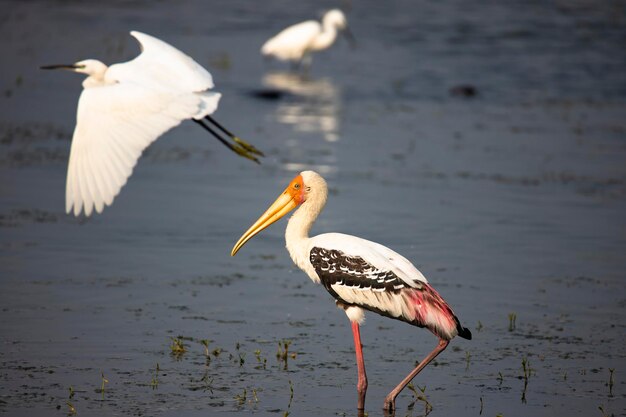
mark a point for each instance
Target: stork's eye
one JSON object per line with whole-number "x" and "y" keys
{"x": 296, "y": 186}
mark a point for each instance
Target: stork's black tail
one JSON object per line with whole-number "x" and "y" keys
{"x": 463, "y": 332}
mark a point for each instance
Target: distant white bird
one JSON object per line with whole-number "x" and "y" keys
{"x": 297, "y": 42}
{"x": 124, "y": 108}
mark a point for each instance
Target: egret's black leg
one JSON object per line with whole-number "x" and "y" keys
{"x": 237, "y": 139}
{"x": 239, "y": 150}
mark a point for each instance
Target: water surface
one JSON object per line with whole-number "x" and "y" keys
{"x": 511, "y": 201}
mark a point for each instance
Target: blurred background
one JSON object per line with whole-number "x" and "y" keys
{"x": 486, "y": 142}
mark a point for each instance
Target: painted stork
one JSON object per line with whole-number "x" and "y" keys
{"x": 360, "y": 274}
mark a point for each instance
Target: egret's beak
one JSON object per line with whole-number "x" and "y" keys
{"x": 70, "y": 67}
{"x": 286, "y": 202}
{"x": 349, "y": 36}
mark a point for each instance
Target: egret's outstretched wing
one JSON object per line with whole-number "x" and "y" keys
{"x": 115, "y": 123}
{"x": 293, "y": 42}
{"x": 160, "y": 65}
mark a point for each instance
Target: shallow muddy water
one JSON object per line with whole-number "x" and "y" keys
{"x": 511, "y": 201}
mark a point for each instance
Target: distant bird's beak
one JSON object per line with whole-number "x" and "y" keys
{"x": 349, "y": 36}
{"x": 62, "y": 66}
{"x": 286, "y": 202}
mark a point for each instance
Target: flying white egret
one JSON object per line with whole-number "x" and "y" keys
{"x": 359, "y": 274}
{"x": 297, "y": 42}
{"x": 124, "y": 108}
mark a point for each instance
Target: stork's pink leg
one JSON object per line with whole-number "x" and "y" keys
{"x": 390, "y": 400}
{"x": 360, "y": 364}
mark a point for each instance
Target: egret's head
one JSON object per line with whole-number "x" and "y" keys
{"x": 91, "y": 67}
{"x": 336, "y": 18}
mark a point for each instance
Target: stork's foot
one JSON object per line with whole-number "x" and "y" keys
{"x": 361, "y": 400}
{"x": 390, "y": 405}
{"x": 361, "y": 391}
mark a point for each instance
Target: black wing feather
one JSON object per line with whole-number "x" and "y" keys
{"x": 336, "y": 268}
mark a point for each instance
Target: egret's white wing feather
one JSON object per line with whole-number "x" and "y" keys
{"x": 89, "y": 172}
{"x": 100, "y": 175}
{"x": 115, "y": 123}
{"x": 161, "y": 66}
{"x": 110, "y": 175}
{"x": 293, "y": 42}
{"x": 82, "y": 183}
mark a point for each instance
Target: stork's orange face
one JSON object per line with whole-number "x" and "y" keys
{"x": 296, "y": 189}
{"x": 292, "y": 197}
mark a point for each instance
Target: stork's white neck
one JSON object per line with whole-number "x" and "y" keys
{"x": 300, "y": 223}
{"x": 297, "y": 238}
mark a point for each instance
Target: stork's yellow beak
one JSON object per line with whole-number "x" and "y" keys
{"x": 287, "y": 201}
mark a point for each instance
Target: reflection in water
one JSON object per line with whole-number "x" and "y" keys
{"x": 313, "y": 106}
{"x": 325, "y": 169}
